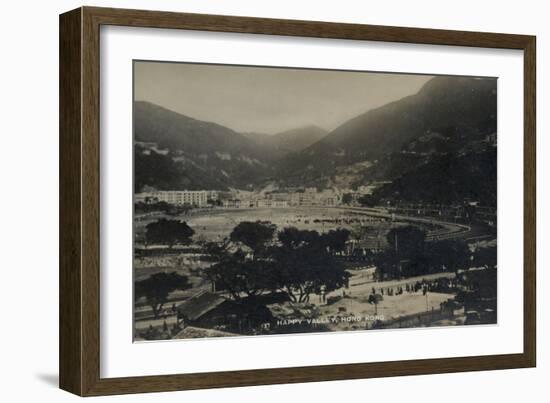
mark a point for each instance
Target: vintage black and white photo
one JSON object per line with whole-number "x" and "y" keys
{"x": 276, "y": 200}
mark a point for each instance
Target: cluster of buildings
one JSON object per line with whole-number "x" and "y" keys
{"x": 197, "y": 198}
{"x": 286, "y": 197}
{"x": 363, "y": 190}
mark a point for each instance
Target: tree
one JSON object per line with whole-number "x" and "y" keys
{"x": 368, "y": 201}
{"x": 359, "y": 232}
{"x": 408, "y": 255}
{"x": 336, "y": 240}
{"x": 151, "y": 205}
{"x": 333, "y": 240}
{"x": 235, "y": 273}
{"x": 255, "y": 235}
{"x": 347, "y": 198}
{"x": 451, "y": 255}
{"x": 478, "y": 289}
{"x": 302, "y": 265}
{"x": 298, "y": 266}
{"x": 169, "y": 232}
{"x": 292, "y": 237}
{"x": 387, "y": 265}
{"x": 485, "y": 256}
{"x": 405, "y": 255}
{"x": 158, "y": 287}
{"x": 407, "y": 241}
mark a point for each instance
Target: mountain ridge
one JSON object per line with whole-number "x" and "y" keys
{"x": 200, "y": 154}
{"x": 447, "y": 119}
{"x": 288, "y": 141}
{"x": 456, "y": 107}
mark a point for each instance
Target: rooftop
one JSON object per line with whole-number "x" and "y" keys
{"x": 191, "y": 332}
{"x": 199, "y": 304}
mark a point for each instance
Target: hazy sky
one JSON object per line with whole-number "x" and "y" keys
{"x": 268, "y": 100}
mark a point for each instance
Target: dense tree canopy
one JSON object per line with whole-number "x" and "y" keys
{"x": 407, "y": 241}
{"x": 485, "y": 256}
{"x": 410, "y": 255}
{"x": 336, "y": 239}
{"x": 449, "y": 255}
{"x": 368, "y": 200}
{"x": 255, "y": 235}
{"x": 299, "y": 264}
{"x": 158, "y": 287}
{"x": 234, "y": 272}
{"x": 169, "y": 232}
{"x": 302, "y": 263}
{"x": 161, "y": 206}
{"x": 292, "y": 237}
{"x": 347, "y": 198}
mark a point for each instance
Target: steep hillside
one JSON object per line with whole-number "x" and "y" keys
{"x": 437, "y": 145}
{"x": 174, "y": 151}
{"x": 456, "y": 110}
{"x": 447, "y": 179}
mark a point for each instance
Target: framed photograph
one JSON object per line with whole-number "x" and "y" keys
{"x": 249, "y": 201}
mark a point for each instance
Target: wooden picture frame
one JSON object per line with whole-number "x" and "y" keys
{"x": 80, "y": 184}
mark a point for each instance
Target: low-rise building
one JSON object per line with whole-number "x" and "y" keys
{"x": 177, "y": 197}
{"x": 209, "y": 310}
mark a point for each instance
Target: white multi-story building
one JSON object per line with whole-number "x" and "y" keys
{"x": 212, "y": 195}
{"x": 329, "y": 197}
{"x": 178, "y": 197}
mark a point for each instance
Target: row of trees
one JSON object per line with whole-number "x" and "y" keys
{"x": 410, "y": 255}
{"x": 252, "y": 261}
{"x": 157, "y": 287}
{"x": 255, "y": 260}
{"x": 161, "y": 207}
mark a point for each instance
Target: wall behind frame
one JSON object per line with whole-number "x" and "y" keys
{"x": 30, "y": 182}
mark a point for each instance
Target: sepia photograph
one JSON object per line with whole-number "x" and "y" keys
{"x": 278, "y": 200}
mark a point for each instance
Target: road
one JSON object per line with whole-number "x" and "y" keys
{"x": 365, "y": 287}
{"x": 446, "y": 230}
